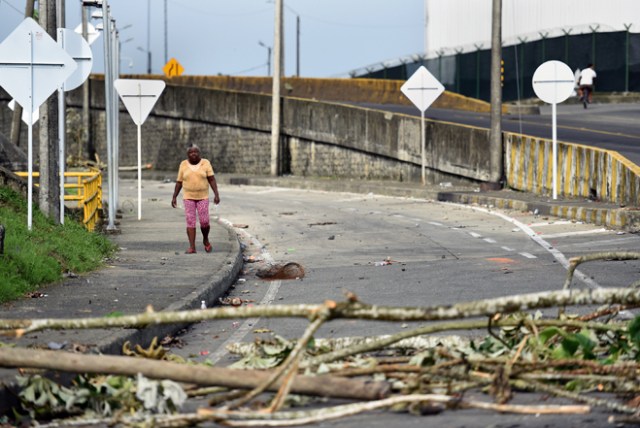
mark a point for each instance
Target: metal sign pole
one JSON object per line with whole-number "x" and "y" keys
{"x": 139, "y": 172}
{"x": 61, "y": 150}
{"x": 553, "y": 83}
{"x": 554, "y": 135}
{"x": 32, "y": 67}
{"x": 106, "y": 22}
{"x": 139, "y": 97}
{"x": 423, "y": 144}
{"x": 30, "y": 135}
{"x": 61, "y": 132}
{"x": 422, "y": 88}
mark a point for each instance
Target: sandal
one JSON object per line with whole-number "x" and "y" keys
{"x": 190, "y": 251}
{"x": 208, "y": 248}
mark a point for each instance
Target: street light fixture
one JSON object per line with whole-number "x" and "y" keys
{"x": 268, "y": 48}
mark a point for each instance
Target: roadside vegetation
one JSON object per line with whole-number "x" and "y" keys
{"x": 41, "y": 256}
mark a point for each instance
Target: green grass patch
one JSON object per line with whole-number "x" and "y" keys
{"x": 42, "y": 255}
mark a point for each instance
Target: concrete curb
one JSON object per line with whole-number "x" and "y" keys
{"x": 211, "y": 291}
{"x": 615, "y": 218}
{"x": 220, "y": 283}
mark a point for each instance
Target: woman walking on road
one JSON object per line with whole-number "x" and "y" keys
{"x": 195, "y": 175}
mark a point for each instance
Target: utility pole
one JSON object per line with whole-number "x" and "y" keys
{"x": 166, "y": 30}
{"x": 16, "y": 119}
{"x": 495, "y": 134}
{"x": 49, "y": 192}
{"x": 297, "y": 45}
{"x": 275, "y": 95}
{"x": 86, "y": 140}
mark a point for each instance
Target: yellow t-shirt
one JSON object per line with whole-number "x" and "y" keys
{"x": 195, "y": 184}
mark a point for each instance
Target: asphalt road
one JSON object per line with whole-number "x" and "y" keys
{"x": 607, "y": 126}
{"x": 444, "y": 254}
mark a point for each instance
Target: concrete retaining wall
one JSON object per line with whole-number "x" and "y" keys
{"x": 336, "y": 140}
{"x": 583, "y": 171}
{"x": 319, "y": 138}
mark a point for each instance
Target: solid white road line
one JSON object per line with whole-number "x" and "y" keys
{"x": 550, "y": 223}
{"x": 567, "y": 234}
{"x": 269, "y": 297}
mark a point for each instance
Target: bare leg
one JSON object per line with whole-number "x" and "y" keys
{"x": 205, "y": 234}
{"x": 191, "y": 234}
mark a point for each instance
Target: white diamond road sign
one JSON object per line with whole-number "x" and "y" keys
{"x": 139, "y": 96}
{"x": 32, "y": 65}
{"x": 25, "y": 113}
{"x": 92, "y": 33}
{"x": 422, "y": 88}
{"x": 553, "y": 82}
{"x": 76, "y": 46}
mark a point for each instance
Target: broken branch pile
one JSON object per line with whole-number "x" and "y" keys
{"x": 413, "y": 370}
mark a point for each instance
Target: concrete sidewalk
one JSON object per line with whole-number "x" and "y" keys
{"x": 151, "y": 267}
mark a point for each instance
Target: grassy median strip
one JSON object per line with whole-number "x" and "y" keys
{"x": 41, "y": 256}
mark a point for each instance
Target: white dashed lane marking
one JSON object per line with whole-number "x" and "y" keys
{"x": 528, "y": 255}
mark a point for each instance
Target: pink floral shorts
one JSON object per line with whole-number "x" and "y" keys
{"x": 201, "y": 207}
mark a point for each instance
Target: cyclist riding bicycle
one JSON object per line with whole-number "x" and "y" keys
{"x": 585, "y": 83}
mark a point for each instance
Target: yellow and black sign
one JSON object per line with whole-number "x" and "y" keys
{"x": 173, "y": 68}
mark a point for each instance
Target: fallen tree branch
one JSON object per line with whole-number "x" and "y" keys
{"x": 346, "y": 310}
{"x": 289, "y": 366}
{"x": 574, "y": 262}
{"x": 331, "y": 386}
{"x": 400, "y": 339}
{"x": 559, "y": 392}
{"x": 247, "y": 419}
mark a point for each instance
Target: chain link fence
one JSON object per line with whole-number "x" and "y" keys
{"x": 616, "y": 56}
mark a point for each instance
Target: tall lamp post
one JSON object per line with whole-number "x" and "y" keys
{"x": 268, "y": 48}
{"x": 108, "y": 27}
{"x": 297, "y": 45}
{"x": 140, "y": 48}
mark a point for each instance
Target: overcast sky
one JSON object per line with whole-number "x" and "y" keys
{"x": 222, "y": 36}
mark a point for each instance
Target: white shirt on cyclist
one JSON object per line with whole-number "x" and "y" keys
{"x": 587, "y": 75}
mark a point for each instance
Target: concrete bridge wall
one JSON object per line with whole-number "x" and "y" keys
{"x": 340, "y": 141}
{"x": 319, "y": 138}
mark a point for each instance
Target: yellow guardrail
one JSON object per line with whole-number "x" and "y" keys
{"x": 84, "y": 187}
{"x": 583, "y": 171}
